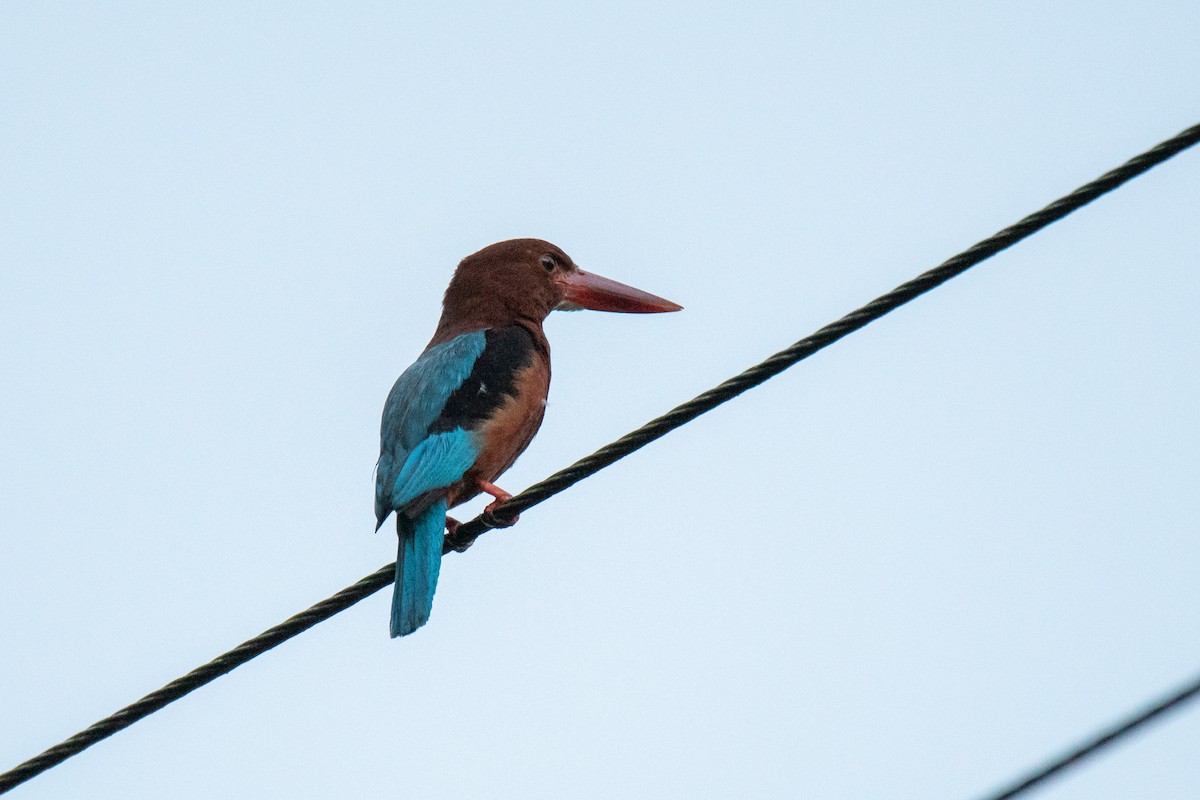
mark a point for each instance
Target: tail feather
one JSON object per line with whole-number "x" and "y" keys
{"x": 418, "y": 562}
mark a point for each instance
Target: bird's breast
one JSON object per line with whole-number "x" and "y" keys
{"x": 509, "y": 428}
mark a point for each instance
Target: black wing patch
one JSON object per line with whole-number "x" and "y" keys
{"x": 492, "y": 381}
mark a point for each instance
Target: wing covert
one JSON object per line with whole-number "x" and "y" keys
{"x": 427, "y": 436}
{"x": 414, "y": 403}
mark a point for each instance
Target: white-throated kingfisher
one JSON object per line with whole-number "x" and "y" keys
{"x": 470, "y": 404}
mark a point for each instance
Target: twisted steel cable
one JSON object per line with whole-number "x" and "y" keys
{"x": 826, "y": 336}
{"x": 539, "y": 492}
{"x": 198, "y": 677}
{"x": 1098, "y": 741}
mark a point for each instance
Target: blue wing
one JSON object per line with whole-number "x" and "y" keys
{"x": 412, "y": 459}
{"x": 429, "y": 440}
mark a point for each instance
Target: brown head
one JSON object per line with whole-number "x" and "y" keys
{"x": 522, "y": 281}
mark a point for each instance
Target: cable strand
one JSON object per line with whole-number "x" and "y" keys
{"x": 1098, "y": 742}
{"x": 198, "y": 677}
{"x": 468, "y": 532}
{"x": 543, "y": 490}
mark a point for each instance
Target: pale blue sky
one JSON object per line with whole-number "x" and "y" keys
{"x": 910, "y": 568}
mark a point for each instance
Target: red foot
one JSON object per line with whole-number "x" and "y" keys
{"x": 502, "y": 497}
{"x": 452, "y": 526}
{"x": 495, "y": 491}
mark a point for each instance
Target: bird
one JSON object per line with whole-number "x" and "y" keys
{"x": 463, "y": 412}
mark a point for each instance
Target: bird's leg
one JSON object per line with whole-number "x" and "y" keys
{"x": 495, "y": 491}
{"x": 452, "y": 526}
{"x": 502, "y": 497}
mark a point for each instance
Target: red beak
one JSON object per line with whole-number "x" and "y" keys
{"x": 585, "y": 290}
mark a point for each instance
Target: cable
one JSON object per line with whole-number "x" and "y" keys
{"x": 1098, "y": 742}
{"x": 198, "y": 677}
{"x": 468, "y": 532}
{"x": 539, "y": 492}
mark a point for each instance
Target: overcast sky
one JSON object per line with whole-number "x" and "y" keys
{"x": 912, "y": 567}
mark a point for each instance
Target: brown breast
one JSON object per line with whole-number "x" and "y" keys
{"x": 508, "y": 432}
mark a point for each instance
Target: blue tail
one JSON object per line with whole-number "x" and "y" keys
{"x": 417, "y": 565}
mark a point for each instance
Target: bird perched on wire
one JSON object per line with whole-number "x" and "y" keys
{"x": 470, "y": 404}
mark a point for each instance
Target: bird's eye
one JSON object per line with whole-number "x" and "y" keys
{"x": 549, "y": 262}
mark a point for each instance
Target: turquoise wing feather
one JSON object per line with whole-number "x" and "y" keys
{"x": 428, "y": 440}
{"x": 415, "y": 460}
{"x": 412, "y": 460}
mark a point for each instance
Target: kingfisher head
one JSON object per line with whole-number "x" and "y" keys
{"x": 526, "y": 279}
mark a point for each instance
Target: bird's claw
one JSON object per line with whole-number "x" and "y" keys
{"x": 494, "y": 520}
{"x": 452, "y": 526}
{"x": 489, "y": 515}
